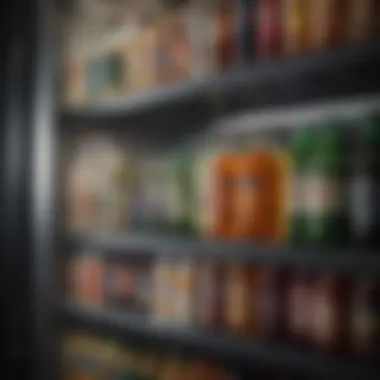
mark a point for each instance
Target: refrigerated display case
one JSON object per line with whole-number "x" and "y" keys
{"x": 103, "y": 101}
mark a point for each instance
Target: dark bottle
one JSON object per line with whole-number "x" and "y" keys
{"x": 302, "y": 153}
{"x": 364, "y": 319}
{"x": 245, "y": 34}
{"x": 224, "y": 34}
{"x": 365, "y": 200}
{"x": 268, "y": 30}
{"x": 331, "y": 306}
{"x": 180, "y": 204}
{"x": 300, "y": 302}
{"x": 210, "y": 295}
{"x": 271, "y": 305}
{"x": 327, "y": 188}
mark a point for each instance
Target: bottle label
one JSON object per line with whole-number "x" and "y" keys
{"x": 246, "y": 199}
{"x": 324, "y": 195}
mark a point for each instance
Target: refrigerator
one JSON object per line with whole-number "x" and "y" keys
{"x": 179, "y": 79}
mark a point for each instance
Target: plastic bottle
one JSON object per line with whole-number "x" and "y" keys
{"x": 255, "y": 196}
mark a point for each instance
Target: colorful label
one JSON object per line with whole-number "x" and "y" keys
{"x": 246, "y": 198}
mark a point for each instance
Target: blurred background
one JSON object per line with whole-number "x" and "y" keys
{"x": 190, "y": 189}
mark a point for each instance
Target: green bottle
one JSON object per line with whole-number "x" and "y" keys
{"x": 303, "y": 147}
{"x": 181, "y": 193}
{"x": 328, "y": 188}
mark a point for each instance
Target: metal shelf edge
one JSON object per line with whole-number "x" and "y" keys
{"x": 285, "y": 357}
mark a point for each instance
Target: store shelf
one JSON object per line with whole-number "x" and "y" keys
{"x": 348, "y": 259}
{"x": 349, "y": 70}
{"x": 222, "y": 346}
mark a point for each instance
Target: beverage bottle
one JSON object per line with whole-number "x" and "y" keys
{"x": 220, "y": 196}
{"x": 151, "y": 196}
{"x": 295, "y": 14}
{"x": 361, "y": 24}
{"x": 330, "y": 312}
{"x": 204, "y": 182}
{"x": 283, "y": 161}
{"x": 241, "y": 292}
{"x": 327, "y": 189}
{"x": 303, "y": 147}
{"x": 180, "y": 196}
{"x": 268, "y": 24}
{"x": 328, "y": 23}
{"x": 365, "y": 200}
{"x": 364, "y": 317}
{"x": 245, "y": 14}
{"x": 269, "y": 309}
{"x": 210, "y": 295}
{"x": 202, "y": 57}
{"x": 224, "y": 33}
{"x": 300, "y": 299}
{"x": 255, "y": 196}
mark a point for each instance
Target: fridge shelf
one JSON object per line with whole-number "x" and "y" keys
{"x": 348, "y": 259}
{"x": 339, "y": 72}
{"x": 229, "y": 348}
